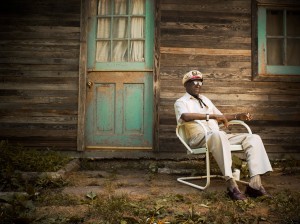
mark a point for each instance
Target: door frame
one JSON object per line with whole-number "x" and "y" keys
{"x": 82, "y": 79}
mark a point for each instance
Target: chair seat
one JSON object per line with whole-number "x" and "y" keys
{"x": 203, "y": 150}
{"x": 197, "y": 151}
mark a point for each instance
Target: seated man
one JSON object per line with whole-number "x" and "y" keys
{"x": 194, "y": 106}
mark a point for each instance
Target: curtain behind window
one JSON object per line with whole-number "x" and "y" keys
{"x": 120, "y": 31}
{"x": 283, "y": 47}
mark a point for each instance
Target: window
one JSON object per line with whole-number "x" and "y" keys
{"x": 121, "y": 35}
{"x": 278, "y": 41}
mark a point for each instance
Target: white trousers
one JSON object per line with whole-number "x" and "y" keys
{"x": 219, "y": 142}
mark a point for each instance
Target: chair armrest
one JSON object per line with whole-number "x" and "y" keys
{"x": 238, "y": 122}
{"x": 183, "y": 141}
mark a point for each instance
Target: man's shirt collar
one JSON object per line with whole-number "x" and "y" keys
{"x": 188, "y": 96}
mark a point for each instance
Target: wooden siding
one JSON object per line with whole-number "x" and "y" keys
{"x": 39, "y": 64}
{"x": 41, "y": 59}
{"x": 215, "y": 38}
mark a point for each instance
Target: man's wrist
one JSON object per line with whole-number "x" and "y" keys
{"x": 207, "y": 117}
{"x": 212, "y": 116}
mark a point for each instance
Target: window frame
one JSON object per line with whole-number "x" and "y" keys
{"x": 147, "y": 64}
{"x": 263, "y": 68}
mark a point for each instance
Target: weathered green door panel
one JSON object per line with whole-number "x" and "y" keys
{"x": 105, "y": 100}
{"x": 133, "y": 108}
{"x": 119, "y": 110}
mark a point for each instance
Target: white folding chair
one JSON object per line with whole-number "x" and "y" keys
{"x": 180, "y": 132}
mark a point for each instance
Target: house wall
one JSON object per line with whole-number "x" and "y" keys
{"x": 39, "y": 58}
{"x": 215, "y": 37}
{"x": 39, "y": 67}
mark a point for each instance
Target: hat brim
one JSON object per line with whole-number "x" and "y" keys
{"x": 195, "y": 78}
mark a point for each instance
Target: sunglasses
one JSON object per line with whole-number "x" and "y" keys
{"x": 197, "y": 82}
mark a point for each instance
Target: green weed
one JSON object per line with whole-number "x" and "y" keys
{"x": 24, "y": 159}
{"x": 18, "y": 158}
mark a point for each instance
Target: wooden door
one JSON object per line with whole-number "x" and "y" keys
{"x": 119, "y": 106}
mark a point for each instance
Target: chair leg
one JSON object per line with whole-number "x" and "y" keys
{"x": 184, "y": 180}
{"x": 208, "y": 176}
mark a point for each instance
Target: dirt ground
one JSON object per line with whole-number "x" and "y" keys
{"x": 142, "y": 180}
{"x": 139, "y": 183}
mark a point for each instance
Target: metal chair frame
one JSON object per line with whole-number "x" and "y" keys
{"x": 180, "y": 132}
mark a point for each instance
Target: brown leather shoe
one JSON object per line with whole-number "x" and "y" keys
{"x": 251, "y": 192}
{"x": 235, "y": 194}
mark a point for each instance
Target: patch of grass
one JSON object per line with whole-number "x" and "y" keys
{"x": 18, "y": 158}
{"x": 17, "y": 208}
{"x": 286, "y": 206}
{"x": 59, "y": 220}
{"x": 32, "y": 160}
{"x": 48, "y": 182}
{"x": 56, "y": 198}
{"x": 288, "y": 167}
{"x": 112, "y": 209}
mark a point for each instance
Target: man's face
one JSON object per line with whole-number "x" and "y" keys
{"x": 193, "y": 87}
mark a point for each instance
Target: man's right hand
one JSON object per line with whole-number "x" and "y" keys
{"x": 222, "y": 119}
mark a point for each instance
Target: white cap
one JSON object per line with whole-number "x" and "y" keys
{"x": 192, "y": 75}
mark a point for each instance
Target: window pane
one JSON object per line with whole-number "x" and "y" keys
{"x": 293, "y": 23}
{"x": 275, "y": 51}
{"x": 137, "y": 28}
{"x": 104, "y": 7}
{"x": 293, "y": 52}
{"x": 137, "y": 51}
{"x": 120, "y": 28}
{"x": 120, "y": 7}
{"x": 120, "y": 51}
{"x": 120, "y": 31}
{"x": 137, "y": 7}
{"x": 103, "y": 51}
{"x": 274, "y": 23}
{"x": 103, "y": 30}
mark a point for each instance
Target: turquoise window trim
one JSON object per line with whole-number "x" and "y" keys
{"x": 262, "y": 57}
{"x": 283, "y": 70}
{"x": 263, "y": 68}
{"x": 124, "y": 66}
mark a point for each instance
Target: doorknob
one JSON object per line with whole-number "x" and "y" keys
{"x": 89, "y": 84}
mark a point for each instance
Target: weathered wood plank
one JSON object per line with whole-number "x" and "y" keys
{"x": 39, "y": 61}
{"x": 207, "y": 6}
{"x": 44, "y": 86}
{"x": 156, "y": 79}
{"x": 82, "y": 76}
{"x": 53, "y": 55}
{"x": 204, "y": 51}
{"x": 39, "y": 74}
{"x": 39, "y": 67}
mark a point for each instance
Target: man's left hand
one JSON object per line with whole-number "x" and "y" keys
{"x": 244, "y": 116}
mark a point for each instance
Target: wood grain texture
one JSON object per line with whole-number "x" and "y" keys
{"x": 39, "y": 64}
